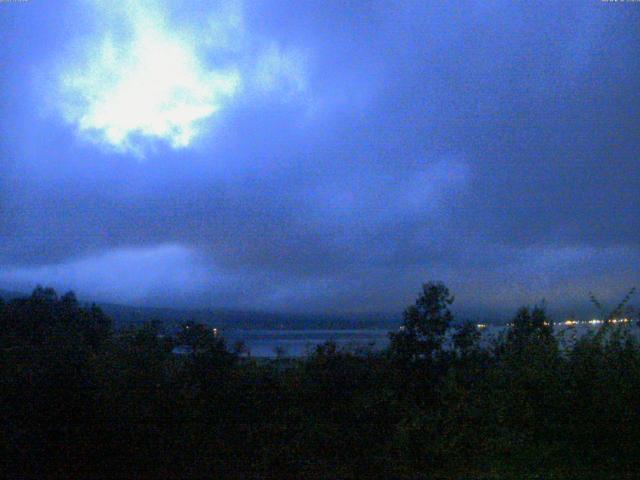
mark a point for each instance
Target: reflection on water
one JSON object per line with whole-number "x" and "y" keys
{"x": 299, "y": 343}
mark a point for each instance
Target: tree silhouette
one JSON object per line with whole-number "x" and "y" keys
{"x": 425, "y": 324}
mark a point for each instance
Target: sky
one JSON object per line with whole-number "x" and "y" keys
{"x": 321, "y": 156}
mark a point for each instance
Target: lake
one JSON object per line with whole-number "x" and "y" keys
{"x": 299, "y": 343}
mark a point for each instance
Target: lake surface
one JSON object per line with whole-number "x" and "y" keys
{"x": 299, "y": 343}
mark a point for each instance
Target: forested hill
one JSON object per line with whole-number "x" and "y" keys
{"x": 171, "y": 319}
{"x": 10, "y": 295}
{"x": 244, "y": 319}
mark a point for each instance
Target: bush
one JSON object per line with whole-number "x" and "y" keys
{"x": 80, "y": 400}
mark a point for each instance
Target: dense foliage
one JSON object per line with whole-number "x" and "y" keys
{"x": 80, "y": 400}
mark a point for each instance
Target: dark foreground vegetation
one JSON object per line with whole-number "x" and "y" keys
{"x": 80, "y": 400}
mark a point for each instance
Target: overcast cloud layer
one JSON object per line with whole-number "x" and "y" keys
{"x": 320, "y": 156}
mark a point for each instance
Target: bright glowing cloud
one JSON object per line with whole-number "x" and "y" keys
{"x": 281, "y": 70}
{"x": 144, "y": 80}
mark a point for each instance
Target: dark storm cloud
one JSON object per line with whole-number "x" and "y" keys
{"x": 493, "y": 146}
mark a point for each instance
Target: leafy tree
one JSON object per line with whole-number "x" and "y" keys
{"x": 240, "y": 348}
{"x": 424, "y": 326}
{"x": 620, "y": 309}
{"x": 530, "y": 326}
{"x": 280, "y": 351}
{"x": 201, "y": 338}
{"x": 465, "y": 339}
{"x": 80, "y": 400}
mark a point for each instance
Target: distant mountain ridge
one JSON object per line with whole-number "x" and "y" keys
{"x": 170, "y": 318}
{"x": 226, "y": 318}
{"x": 243, "y": 319}
{"x": 10, "y": 295}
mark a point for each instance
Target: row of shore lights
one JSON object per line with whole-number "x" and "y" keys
{"x": 566, "y": 323}
{"x": 573, "y": 323}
